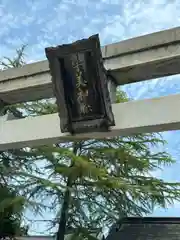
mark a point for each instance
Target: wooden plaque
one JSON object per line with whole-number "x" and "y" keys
{"x": 80, "y": 86}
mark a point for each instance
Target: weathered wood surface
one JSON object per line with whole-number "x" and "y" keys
{"x": 80, "y": 86}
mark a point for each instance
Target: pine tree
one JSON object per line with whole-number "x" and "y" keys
{"x": 12, "y": 201}
{"x": 92, "y": 184}
{"x": 10, "y": 214}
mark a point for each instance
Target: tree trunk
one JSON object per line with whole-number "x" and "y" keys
{"x": 65, "y": 207}
{"x": 64, "y": 212}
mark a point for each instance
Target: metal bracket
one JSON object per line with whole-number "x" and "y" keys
{"x": 112, "y": 86}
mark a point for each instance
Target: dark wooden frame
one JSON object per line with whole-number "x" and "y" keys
{"x": 99, "y": 123}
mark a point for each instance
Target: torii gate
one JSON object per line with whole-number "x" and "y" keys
{"x": 141, "y": 58}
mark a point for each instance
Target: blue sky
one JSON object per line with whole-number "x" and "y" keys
{"x": 41, "y": 23}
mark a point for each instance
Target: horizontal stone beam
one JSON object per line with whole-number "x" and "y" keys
{"x": 150, "y": 115}
{"x": 141, "y": 58}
